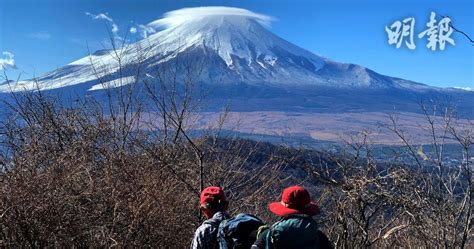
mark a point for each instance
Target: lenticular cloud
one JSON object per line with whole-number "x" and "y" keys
{"x": 177, "y": 17}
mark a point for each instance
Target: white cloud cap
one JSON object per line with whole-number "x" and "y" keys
{"x": 177, "y": 17}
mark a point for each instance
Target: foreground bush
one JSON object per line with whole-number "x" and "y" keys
{"x": 81, "y": 176}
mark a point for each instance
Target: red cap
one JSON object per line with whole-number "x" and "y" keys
{"x": 212, "y": 195}
{"x": 294, "y": 200}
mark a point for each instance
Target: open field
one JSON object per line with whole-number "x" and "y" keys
{"x": 331, "y": 127}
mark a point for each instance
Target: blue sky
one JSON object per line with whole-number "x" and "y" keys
{"x": 43, "y": 35}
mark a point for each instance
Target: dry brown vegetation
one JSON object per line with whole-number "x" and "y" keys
{"x": 103, "y": 173}
{"x": 413, "y": 200}
{"x": 75, "y": 176}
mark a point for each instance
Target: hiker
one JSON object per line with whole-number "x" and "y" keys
{"x": 296, "y": 228}
{"x": 213, "y": 205}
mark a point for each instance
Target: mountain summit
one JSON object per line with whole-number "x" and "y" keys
{"x": 240, "y": 59}
{"x": 237, "y": 47}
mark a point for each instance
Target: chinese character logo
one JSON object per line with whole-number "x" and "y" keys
{"x": 400, "y": 30}
{"x": 437, "y": 33}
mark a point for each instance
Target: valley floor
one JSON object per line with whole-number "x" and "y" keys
{"x": 329, "y": 127}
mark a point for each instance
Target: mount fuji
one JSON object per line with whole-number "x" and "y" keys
{"x": 242, "y": 63}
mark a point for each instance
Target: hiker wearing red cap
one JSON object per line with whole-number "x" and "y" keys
{"x": 296, "y": 228}
{"x": 213, "y": 205}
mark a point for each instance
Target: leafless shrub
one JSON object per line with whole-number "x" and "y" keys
{"x": 127, "y": 170}
{"x": 416, "y": 199}
{"x": 97, "y": 173}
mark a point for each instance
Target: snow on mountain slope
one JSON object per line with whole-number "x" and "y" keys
{"x": 235, "y": 47}
{"x": 228, "y": 35}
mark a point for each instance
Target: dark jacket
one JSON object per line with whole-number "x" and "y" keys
{"x": 305, "y": 236}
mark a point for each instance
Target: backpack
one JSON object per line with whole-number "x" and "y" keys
{"x": 239, "y": 232}
{"x": 294, "y": 231}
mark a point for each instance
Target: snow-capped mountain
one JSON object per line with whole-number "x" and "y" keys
{"x": 237, "y": 45}
{"x": 238, "y": 56}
